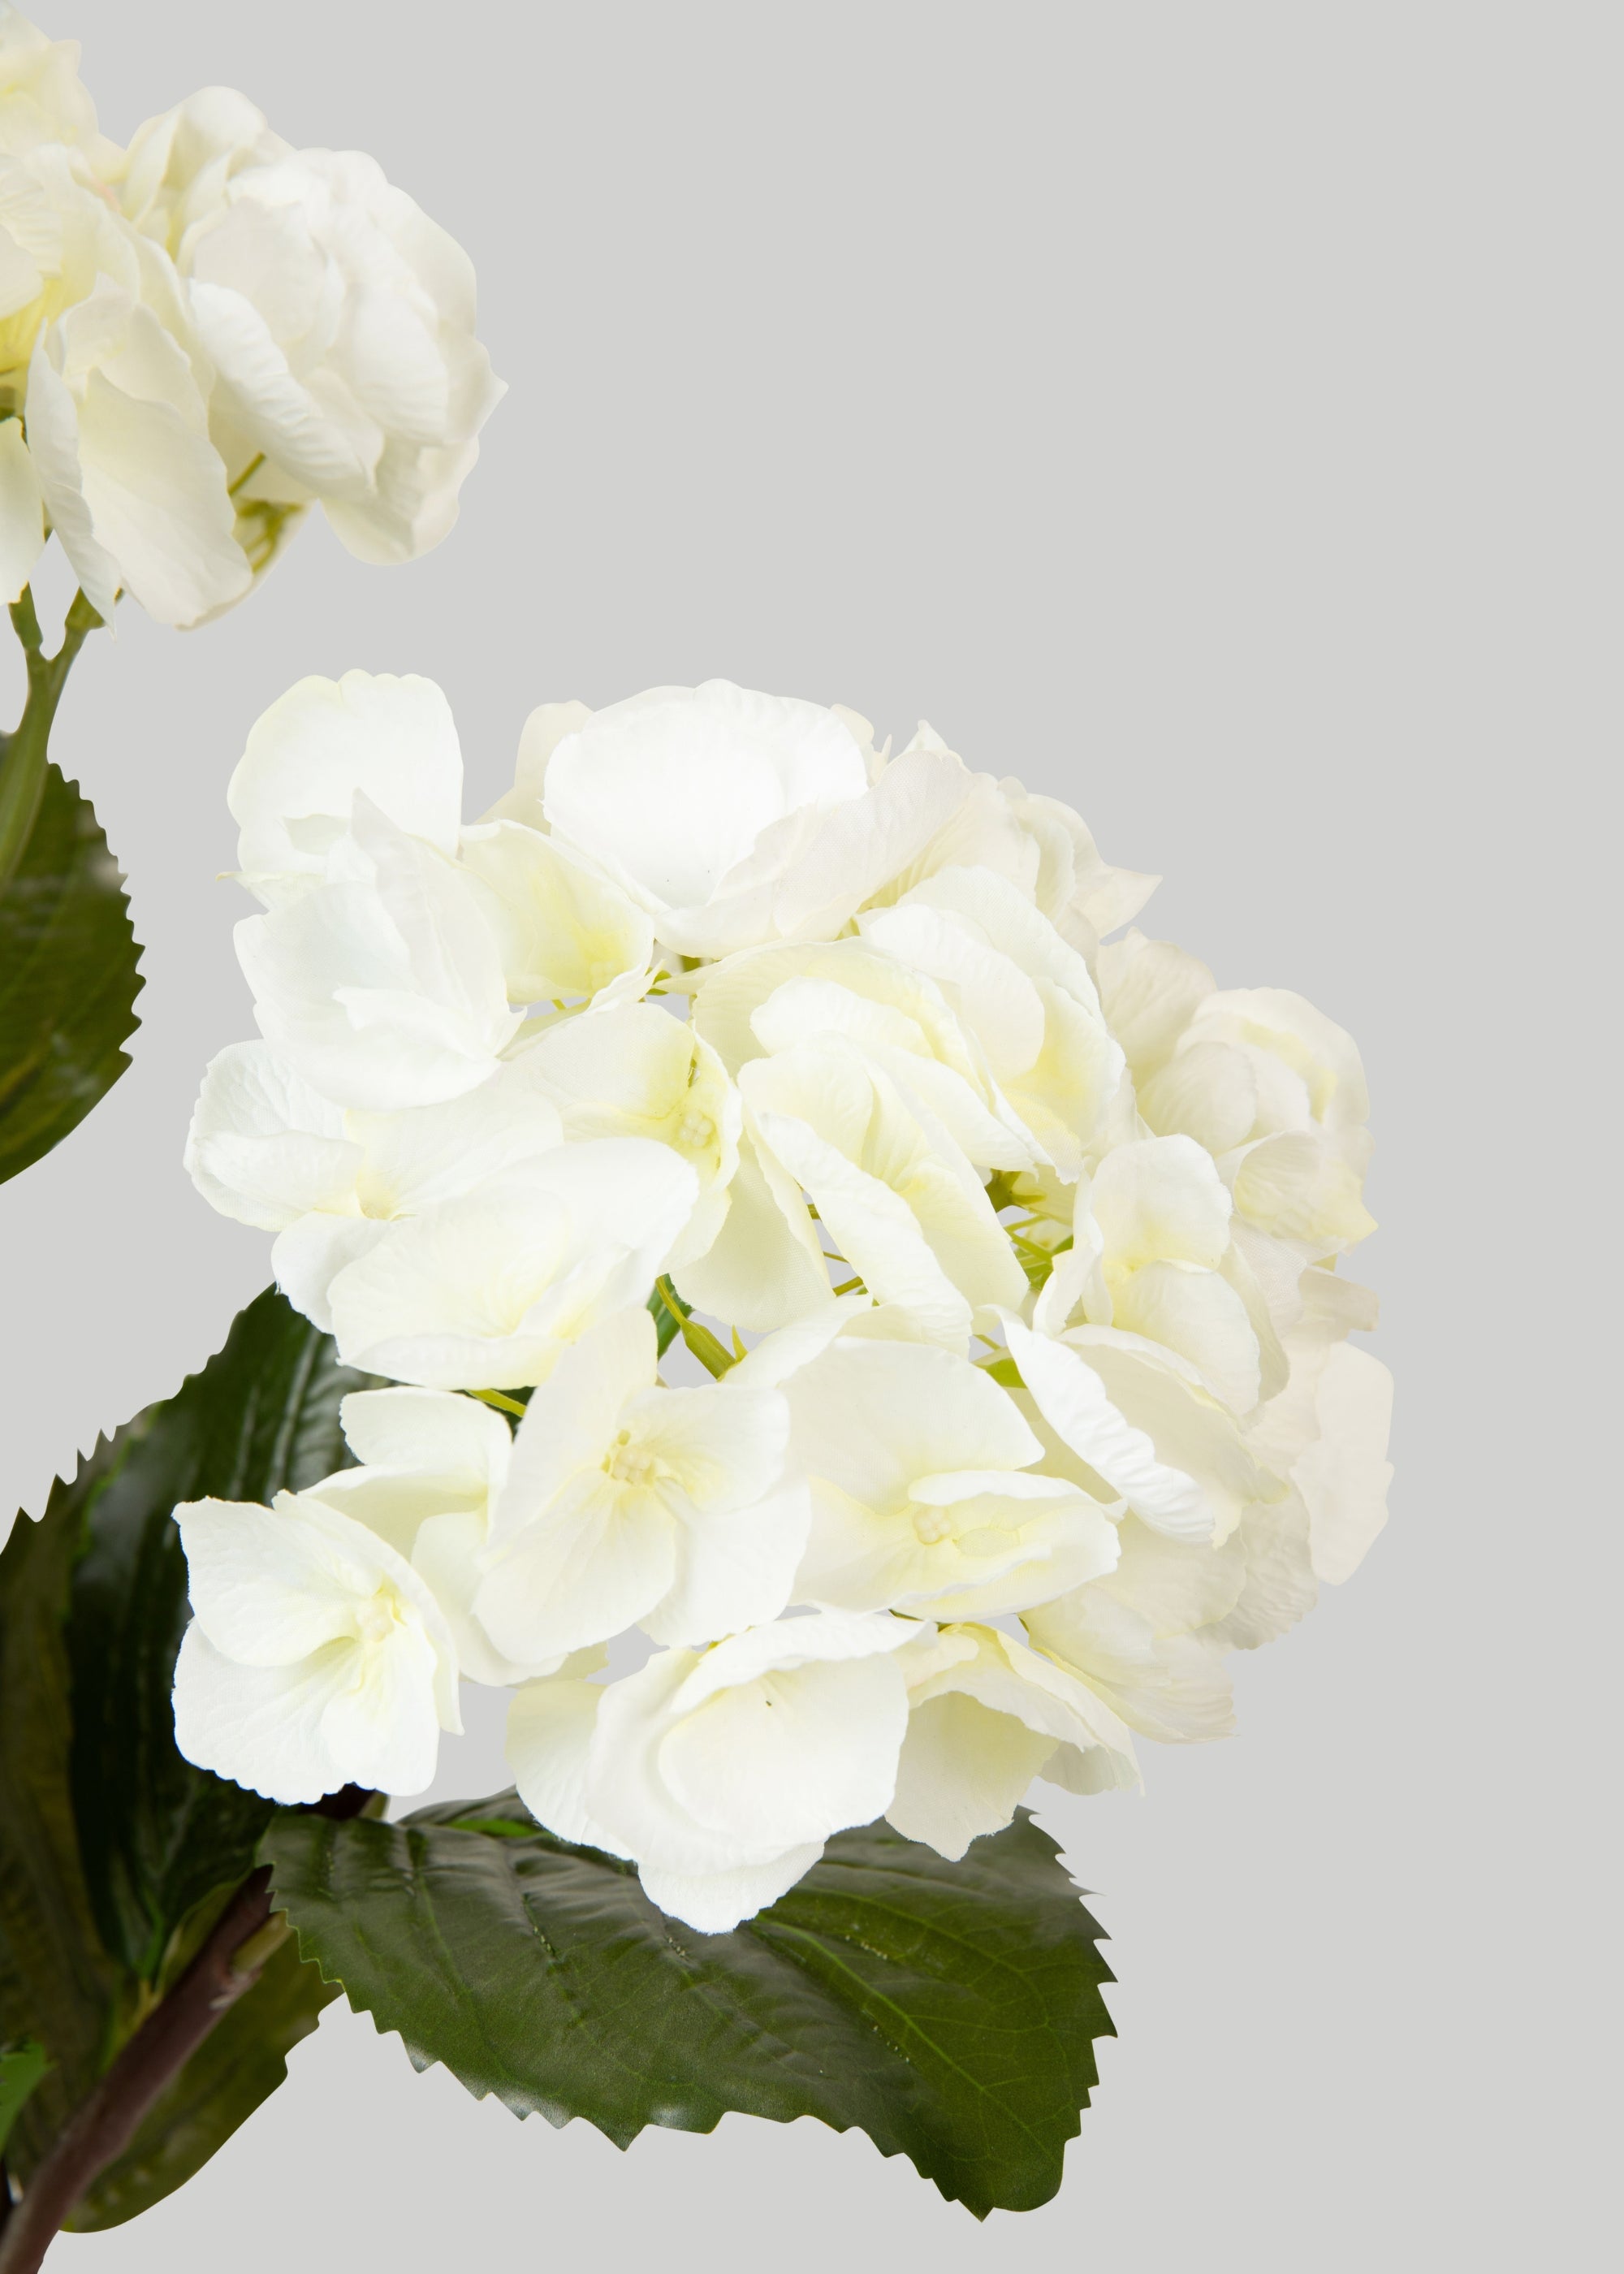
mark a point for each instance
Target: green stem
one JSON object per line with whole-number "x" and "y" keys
{"x": 503, "y": 1405}
{"x": 705, "y": 1345}
{"x": 248, "y": 473}
{"x": 23, "y": 753}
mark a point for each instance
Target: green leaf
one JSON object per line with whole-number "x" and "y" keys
{"x": 155, "y": 1833}
{"x": 239, "y": 2064}
{"x": 68, "y": 977}
{"x": 20, "y": 2070}
{"x": 115, "y": 1853}
{"x": 949, "y": 2010}
{"x": 56, "y": 1984}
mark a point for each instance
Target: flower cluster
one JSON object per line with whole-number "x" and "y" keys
{"x": 204, "y": 333}
{"x": 1009, "y": 1258}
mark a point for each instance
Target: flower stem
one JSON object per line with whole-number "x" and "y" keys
{"x": 102, "y": 2126}
{"x": 23, "y": 753}
{"x": 710, "y": 1354}
{"x": 503, "y": 1405}
{"x": 248, "y": 472}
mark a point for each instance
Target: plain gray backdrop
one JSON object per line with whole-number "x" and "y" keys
{"x": 1209, "y": 413}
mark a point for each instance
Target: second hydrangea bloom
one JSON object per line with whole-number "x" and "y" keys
{"x": 204, "y": 334}
{"x": 1033, "y": 1397}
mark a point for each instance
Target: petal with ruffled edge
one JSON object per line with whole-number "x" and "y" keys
{"x": 293, "y": 790}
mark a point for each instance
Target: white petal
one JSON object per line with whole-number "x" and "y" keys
{"x": 22, "y": 512}
{"x": 735, "y": 1568}
{"x": 1201, "y": 1317}
{"x": 720, "y": 1900}
{"x": 571, "y": 1421}
{"x": 269, "y": 1587}
{"x": 448, "y": 1553}
{"x": 631, "y": 1069}
{"x": 564, "y": 933}
{"x": 428, "y": 1430}
{"x": 877, "y": 1231}
{"x": 784, "y": 1352}
{"x": 627, "y": 1791}
{"x": 265, "y": 1148}
{"x": 1208, "y": 1090}
{"x": 963, "y": 1770}
{"x": 383, "y": 993}
{"x": 1280, "y": 1586}
{"x": 1160, "y": 1198}
{"x": 840, "y": 986}
{"x": 861, "y": 845}
{"x": 544, "y": 730}
{"x": 1162, "y": 1393}
{"x": 396, "y": 1507}
{"x": 312, "y": 1252}
{"x": 1174, "y": 1689}
{"x": 1150, "y": 991}
{"x": 716, "y": 1449}
{"x": 293, "y": 791}
{"x": 764, "y": 1269}
{"x": 429, "y": 1153}
{"x": 873, "y": 1417}
{"x": 828, "y": 1638}
{"x": 157, "y": 496}
{"x": 1177, "y": 1585}
{"x": 581, "y": 1571}
{"x": 550, "y": 1727}
{"x": 1343, "y": 1478}
{"x": 1298, "y": 1187}
{"x": 262, "y": 1727}
{"x": 1272, "y": 1022}
{"x": 995, "y": 1552}
{"x": 995, "y": 997}
{"x": 286, "y": 420}
{"x": 671, "y": 790}
{"x": 1073, "y": 1401}
{"x": 53, "y": 443}
{"x": 794, "y": 1755}
{"x": 483, "y": 1293}
{"x": 384, "y": 1730}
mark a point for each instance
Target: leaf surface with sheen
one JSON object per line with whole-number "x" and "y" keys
{"x": 948, "y": 2010}
{"x": 68, "y": 977}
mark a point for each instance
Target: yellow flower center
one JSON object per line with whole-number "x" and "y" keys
{"x": 630, "y": 1463}
{"x": 375, "y": 1619}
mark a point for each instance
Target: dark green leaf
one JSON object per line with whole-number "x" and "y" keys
{"x": 68, "y": 977}
{"x": 949, "y": 2010}
{"x": 20, "y": 2070}
{"x": 155, "y": 1833}
{"x": 239, "y": 2064}
{"x": 115, "y": 1853}
{"x": 57, "y": 1984}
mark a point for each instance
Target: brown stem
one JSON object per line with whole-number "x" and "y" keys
{"x": 102, "y": 2126}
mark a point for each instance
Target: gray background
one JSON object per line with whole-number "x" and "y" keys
{"x": 1211, "y": 414}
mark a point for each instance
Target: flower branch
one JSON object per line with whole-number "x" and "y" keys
{"x": 24, "y": 753}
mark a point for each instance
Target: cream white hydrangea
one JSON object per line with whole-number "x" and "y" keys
{"x": 203, "y": 334}
{"x": 1013, "y": 1253}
